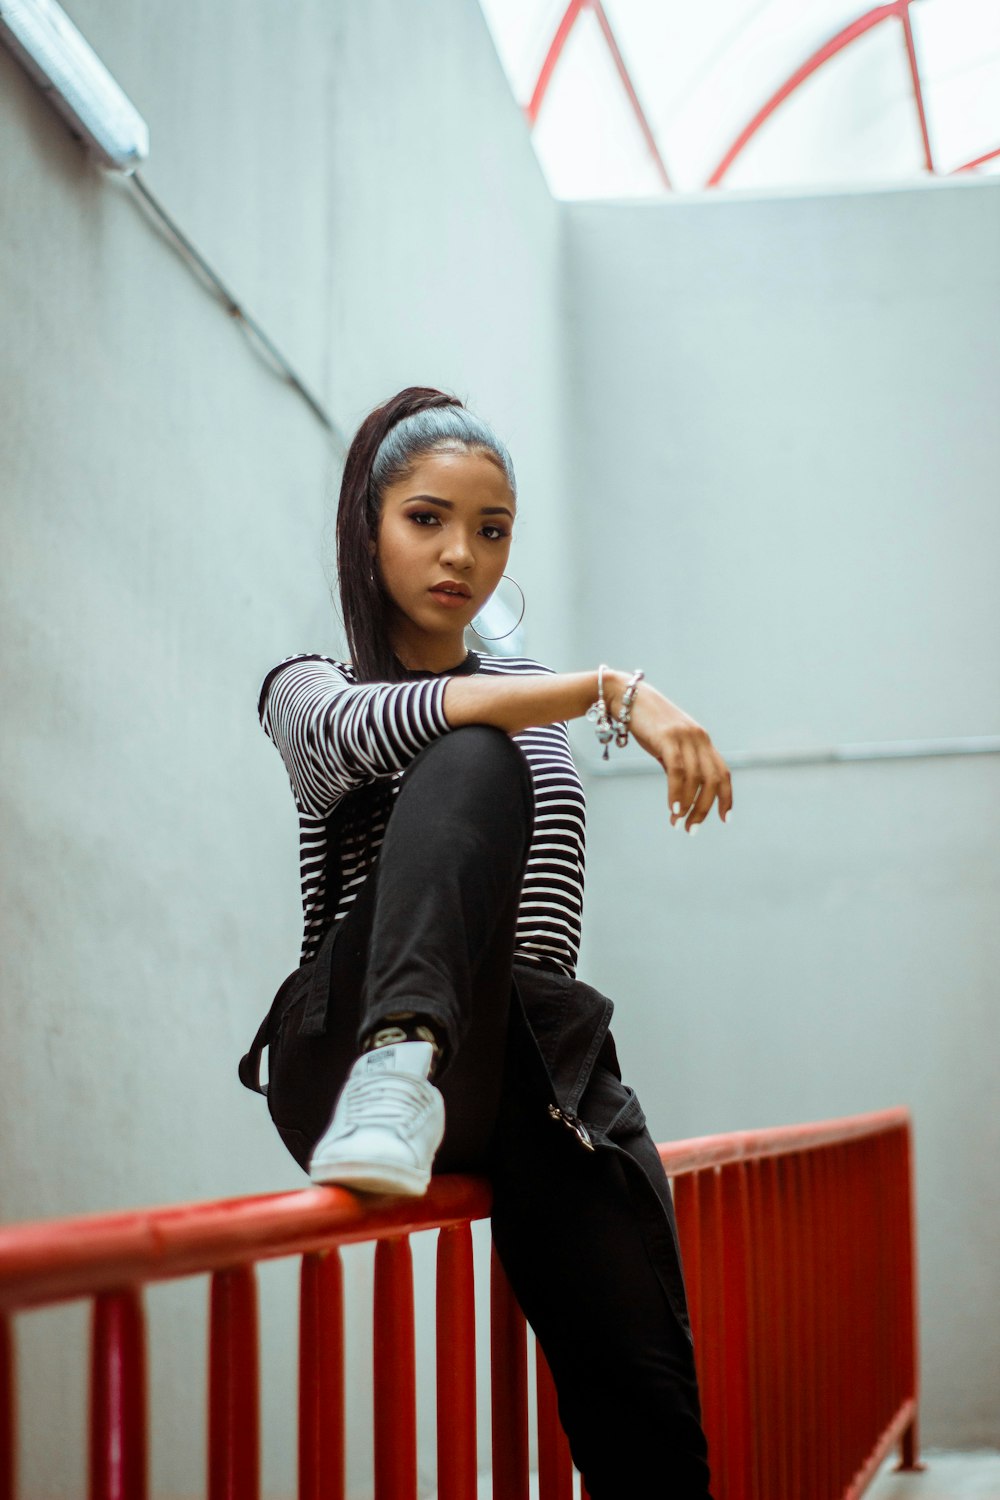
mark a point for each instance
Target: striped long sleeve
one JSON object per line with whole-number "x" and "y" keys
{"x": 334, "y": 735}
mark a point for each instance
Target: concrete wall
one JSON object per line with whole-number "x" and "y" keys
{"x": 785, "y": 458}
{"x": 362, "y": 178}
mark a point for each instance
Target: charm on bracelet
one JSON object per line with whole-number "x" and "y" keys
{"x": 606, "y": 726}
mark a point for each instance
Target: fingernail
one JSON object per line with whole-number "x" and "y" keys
{"x": 679, "y": 825}
{"x": 726, "y": 816}
{"x": 693, "y": 829}
{"x": 676, "y": 808}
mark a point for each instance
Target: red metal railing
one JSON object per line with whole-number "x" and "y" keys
{"x": 798, "y": 1248}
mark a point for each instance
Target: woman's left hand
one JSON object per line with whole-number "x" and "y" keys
{"x": 697, "y": 775}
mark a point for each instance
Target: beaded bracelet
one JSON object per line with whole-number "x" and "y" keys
{"x": 606, "y": 726}
{"x": 625, "y": 713}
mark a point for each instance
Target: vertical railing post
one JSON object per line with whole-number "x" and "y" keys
{"x": 905, "y": 1267}
{"x": 685, "y": 1196}
{"x": 555, "y": 1465}
{"x": 773, "y": 1345}
{"x": 321, "y": 1377}
{"x": 118, "y": 1397}
{"x": 456, "y": 1365}
{"x": 814, "y": 1352}
{"x": 736, "y": 1357}
{"x": 509, "y": 1366}
{"x": 8, "y": 1412}
{"x": 395, "y": 1372}
{"x": 790, "y": 1207}
{"x": 711, "y": 1367}
{"x": 765, "y": 1477}
{"x": 855, "y": 1219}
{"x": 826, "y": 1323}
{"x": 233, "y": 1387}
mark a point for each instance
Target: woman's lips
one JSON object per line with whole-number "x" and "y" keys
{"x": 449, "y": 599}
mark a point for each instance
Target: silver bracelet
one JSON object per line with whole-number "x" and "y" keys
{"x": 605, "y": 727}
{"x": 625, "y": 712}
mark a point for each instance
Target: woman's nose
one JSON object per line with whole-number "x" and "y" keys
{"x": 457, "y": 551}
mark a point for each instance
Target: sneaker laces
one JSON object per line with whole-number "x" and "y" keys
{"x": 385, "y": 1099}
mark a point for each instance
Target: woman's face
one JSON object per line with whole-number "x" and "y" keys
{"x": 443, "y": 540}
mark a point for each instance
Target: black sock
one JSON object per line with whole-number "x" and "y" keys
{"x": 406, "y": 1028}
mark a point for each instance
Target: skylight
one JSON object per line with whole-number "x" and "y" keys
{"x": 630, "y": 98}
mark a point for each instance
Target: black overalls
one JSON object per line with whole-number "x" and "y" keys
{"x": 582, "y": 1216}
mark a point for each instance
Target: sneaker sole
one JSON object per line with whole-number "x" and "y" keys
{"x": 364, "y": 1177}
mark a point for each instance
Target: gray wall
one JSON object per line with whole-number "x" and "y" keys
{"x": 785, "y": 452}
{"x": 361, "y": 176}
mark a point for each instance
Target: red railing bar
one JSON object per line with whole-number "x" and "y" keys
{"x": 233, "y": 1389}
{"x": 798, "y": 1252}
{"x": 118, "y": 1398}
{"x": 555, "y": 1466}
{"x": 52, "y": 1262}
{"x": 8, "y": 1412}
{"x": 395, "y": 1373}
{"x": 456, "y": 1365}
{"x": 321, "y": 1377}
{"x": 509, "y": 1370}
{"x": 892, "y": 1435}
{"x": 716, "y": 1150}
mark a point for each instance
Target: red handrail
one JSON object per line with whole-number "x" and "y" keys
{"x": 798, "y": 1251}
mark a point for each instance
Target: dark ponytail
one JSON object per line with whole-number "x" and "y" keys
{"x": 386, "y": 445}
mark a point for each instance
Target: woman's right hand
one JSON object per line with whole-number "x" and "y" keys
{"x": 697, "y": 775}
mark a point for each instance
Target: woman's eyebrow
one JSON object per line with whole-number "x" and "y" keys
{"x": 487, "y": 510}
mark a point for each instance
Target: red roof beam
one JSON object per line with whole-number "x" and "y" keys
{"x": 918, "y": 93}
{"x": 976, "y": 162}
{"x": 830, "y": 49}
{"x": 570, "y": 17}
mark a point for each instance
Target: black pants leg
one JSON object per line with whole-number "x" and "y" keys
{"x": 432, "y": 932}
{"x": 567, "y": 1227}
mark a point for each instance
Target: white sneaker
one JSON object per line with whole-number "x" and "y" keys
{"x": 387, "y": 1124}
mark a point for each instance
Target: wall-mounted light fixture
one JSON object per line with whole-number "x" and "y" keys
{"x": 47, "y": 44}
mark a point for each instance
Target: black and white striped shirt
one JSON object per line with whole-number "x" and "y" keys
{"x": 336, "y": 735}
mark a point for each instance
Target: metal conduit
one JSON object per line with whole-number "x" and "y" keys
{"x": 757, "y": 760}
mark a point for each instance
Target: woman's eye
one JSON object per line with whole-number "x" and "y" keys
{"x": 421, "y": 517}
{"x": 494, "y": 533}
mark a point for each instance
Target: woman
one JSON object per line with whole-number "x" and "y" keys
{"x": 435, "y": 1022}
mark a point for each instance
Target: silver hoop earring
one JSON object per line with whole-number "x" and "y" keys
{"x": 516, "y": 622}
